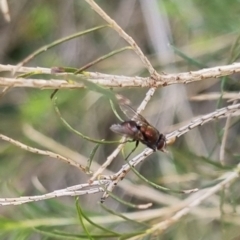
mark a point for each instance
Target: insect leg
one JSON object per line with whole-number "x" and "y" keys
{"x": 137, "y": 142}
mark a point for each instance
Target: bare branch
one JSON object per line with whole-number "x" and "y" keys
{"x": 119, "y": 148}
{"x": 69, "y": 191}
{"x": 126, "y": 185}
{"x": 228, "y": 178}
{"x": 215, "y": 96}
{"x": 124, "y": 35}
{"x": 107, "y": 80}
{"x": 223, "y": 112}
{"x": 42, "y": 152}
{"x": 120, "y": 175}
{"x": 5, "y": 10}
{"x": 38, "y": 83}
{"x": 224, "y": 138}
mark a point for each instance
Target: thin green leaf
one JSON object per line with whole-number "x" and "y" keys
{"x": 96, "y": 225}
{"x": 63, "y": 70}
{"x": 114, "y": 110}
{"x": 81, "y": 219}
{"x": 141, "y": 206}
{"x": 215, "y": 164}
{"x": 57, "y": 42}
{"x": 234, "y": 52}
{"x": 29, "y": 74}
{"x": 100, "y": 235}
{"x": 158, "y": 186}
{"x": 123, "y": 217}
{"x": 90, "y": 159}
{"x": 187, "y": 58}
{"x": 102, "y": 58}
{"x": 192, "y": 156}
{"x": 77, "y": 71}
{"x": 95, "y": 87}
{"x": 68, "y": 236}
{"x": 56, "y": 235}
{"x": 75, "y": 131}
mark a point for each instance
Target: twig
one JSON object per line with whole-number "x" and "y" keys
{"x": 145, "y": 61}
{"x": 193, "y": 201}
{"x": 107, "y": 80}
{"x": 199, "y": 198}
{"x": 119, "y": 148}
{"x": 38, "y": 83}
{"x": 215, "y": 96}
{"x": 5, "y": 10}
{"x": 127, "y": 185}
{"x": 224, "y": 138}
{"x": 69, "y": 191}
{"x": 4, "y": 91}
{"x": 108, "y": 161}
{"x": 42, "y": 152}
{"x": 223, "y": 112}
{"x": 53, "y": 44}
{"x": 124, "y": 35}
{"x": 110, "y": 181}
{"x": 120, "y": 175}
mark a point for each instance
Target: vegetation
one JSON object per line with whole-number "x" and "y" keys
{"x": 64, "y": 66}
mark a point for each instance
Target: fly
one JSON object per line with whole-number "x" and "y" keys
{"x": 139, "y": 130}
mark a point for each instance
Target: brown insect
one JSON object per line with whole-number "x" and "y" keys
{"x": 139, "y": 130}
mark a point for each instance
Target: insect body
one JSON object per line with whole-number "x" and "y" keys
{"x": 139, "y": 130}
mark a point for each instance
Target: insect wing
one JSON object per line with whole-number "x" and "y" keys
{"x": 129, "y": 129}
{"x": 124, "y": 129}
{"x": 120, "y": 129}
{"x": 133, "y": 115}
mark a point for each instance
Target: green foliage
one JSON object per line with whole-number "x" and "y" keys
{"x": 203, "y": 33}
{"x": 41, "y": 15}
{"x": 36, "y": 109}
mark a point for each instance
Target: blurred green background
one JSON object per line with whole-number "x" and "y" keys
{"x": 176, "y": 37}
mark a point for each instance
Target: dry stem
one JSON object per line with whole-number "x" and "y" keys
{"x": 42, "y": 152}
{"x": 107, "y": 80}
{"x": 124, "y": 35}
{"x": 111, "y": 181}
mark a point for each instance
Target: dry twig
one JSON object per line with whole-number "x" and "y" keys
{"x": 107, "y": 80}
{"x": 5, "y": 10}
{"x": 42, "y": 152}
{"x": 110, "y": 181}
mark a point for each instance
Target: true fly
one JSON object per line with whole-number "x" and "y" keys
{"x": 139, "y": 130}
